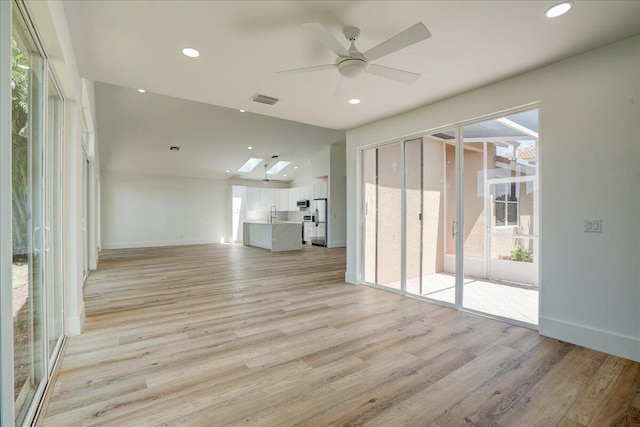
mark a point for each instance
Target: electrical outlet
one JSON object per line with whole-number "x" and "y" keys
{"x": 593, "y": 225}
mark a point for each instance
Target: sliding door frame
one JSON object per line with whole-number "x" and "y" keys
{"x": 459, "y": 210}
{"x": 50, "y": 157}
{"x": 6, "y": 292}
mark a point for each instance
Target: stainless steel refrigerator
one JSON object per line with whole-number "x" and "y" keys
{"x": 319, "y": 232}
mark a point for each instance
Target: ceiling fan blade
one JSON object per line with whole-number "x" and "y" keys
{"x": 411, "y": 35}
{"x": 322, "y": 34}
{"x": 344, "y": 87}
{"x": 307, "y": 69}
{"x": 401, "y": 76}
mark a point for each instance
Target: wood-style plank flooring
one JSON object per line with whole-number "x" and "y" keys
{"x": 225, "y": 335}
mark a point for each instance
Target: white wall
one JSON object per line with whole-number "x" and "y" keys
{"x": 589, "y": 168}
{"x": 337, "y": 196}
{"x": 150, "y": 210}
{"x": 320, "y": 163}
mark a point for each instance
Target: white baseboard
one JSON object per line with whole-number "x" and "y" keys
{"x": 339, "y": 244}
{"x": 129, "y": 245}
{"x": 350, "y": 277}
{"x": 607, "y": 342}
{"x": 73, "y": 324}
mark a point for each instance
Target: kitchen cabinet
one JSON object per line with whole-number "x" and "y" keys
{"x": 253, "y": 199}
{"x": 282, "y": 199}
{"x": 280, "y": 236}
{"x": 294, "y": 196}
{"x": 307, "y": 232}
{"x": 320, "y": 191}
{"x": 267, "y": 198}
{"x": 306, "y": 193}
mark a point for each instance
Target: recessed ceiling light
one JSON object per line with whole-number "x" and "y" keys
{"x": 141, "y": 90}
{"x": 250, "y": 165}
{"x": 249, "y": 148}
{"x": 284, "y": 174}
{"x": 559, "y": 9}
{"x": 354, "y": 101}
{"x": 227, "y": 171}
{"x": 190, "y": 52}
{"x": 295, "y": 167}
{"x": 242, "y": 111}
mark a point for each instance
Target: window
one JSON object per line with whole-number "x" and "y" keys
{"x": 506, "y": 205}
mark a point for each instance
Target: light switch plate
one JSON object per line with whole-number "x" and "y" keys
{"x": 593, "y": 225}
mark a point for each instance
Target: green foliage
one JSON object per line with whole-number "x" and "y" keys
{"x": 20, "y": 148}
{"x": 519, "y": 254}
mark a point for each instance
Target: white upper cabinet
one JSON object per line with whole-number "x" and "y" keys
{"x": 294, "y": 196}
{"x": 267, "y": 198}
{"x": 306, "y": 193}
{"x": 282, "y": 199}
{"x": 320, "y": 190}
{"x": 253, "y": 199}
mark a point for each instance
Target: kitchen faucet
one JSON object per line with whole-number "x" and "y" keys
{"x": 273, "y": 214}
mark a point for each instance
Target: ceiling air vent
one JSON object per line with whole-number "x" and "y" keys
{"x": 264, "y": 99}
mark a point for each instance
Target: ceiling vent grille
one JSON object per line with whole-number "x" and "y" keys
{"x": 264, "y": 99}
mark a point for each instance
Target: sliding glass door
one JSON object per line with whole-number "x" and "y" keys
{"x": 500, "y": 211}
{"x": 27, "y": 187}
{"x": 451, "y": 217}
{"x": 36, "y": 219}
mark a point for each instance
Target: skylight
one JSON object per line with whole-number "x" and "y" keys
{"x": 250, "y": 165}
{"x": 275, "y": 169}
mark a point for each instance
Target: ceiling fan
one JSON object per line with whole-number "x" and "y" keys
{"x": 352, "y": 63}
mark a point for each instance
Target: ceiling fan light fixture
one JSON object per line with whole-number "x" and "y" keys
{"x": 354, "y": 101}
{"x": 352, "y": 68}
{"x": 559, "y": 9}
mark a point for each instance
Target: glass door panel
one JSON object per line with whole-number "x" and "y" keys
{"x": 413, "y": 215}
{"x": 85, "y": 198}
{"x": 430, "y": 192}
{"x": 389, "y": 213}
{"x": 53, "y": 206}
{"x": 370, "y": 195}
{"x": 27, "y": 217}
{"x": 382, "y": 190}
{"x": 500, "y": 210}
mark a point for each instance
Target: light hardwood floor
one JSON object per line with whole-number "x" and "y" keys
{"x": 219, "y": 335}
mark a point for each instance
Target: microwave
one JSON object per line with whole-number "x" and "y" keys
{"x": 302, "y": 203}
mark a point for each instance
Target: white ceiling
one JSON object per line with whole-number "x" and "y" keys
{"x": 137, "y": 44}
{"x": 136, "y": 131}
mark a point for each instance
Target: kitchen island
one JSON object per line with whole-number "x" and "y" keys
{"x": 276, "y": 236}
